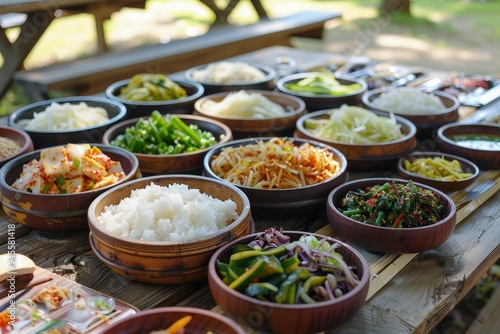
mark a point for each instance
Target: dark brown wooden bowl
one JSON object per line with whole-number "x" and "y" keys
{"x": 145, "y": 322}
{"x": 245, "y": 127}
{"x": 427, "y": 122}
{"x": 165, "y": 262}
{"x": 386, "y": 239}
{"x": 56, "y": 212}
{"x": 443, "y": 185}
{"x": 190, "y": 163}
{"x": 365, "y": 157}
{"x": 281, "y": 203}
{"x": 116, "y": 113}
{"x": 484, "y": 159}
{"x": 323, "y": 101}
{"x": 268, "y": 83}
{"x": 268, "y": 317}
{"x": 184, "y": 105}
{"x": 21, "y": 137}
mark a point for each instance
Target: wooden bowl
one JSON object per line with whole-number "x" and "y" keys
{"x": 426, "y": 122}
{"x": 246, "y": 127}
{"x": 116, "y": 113}
{"x": 365, "y": 157}
{"x": 294, "y": 202}
{"x": 323, "y": 101}
{"x": 269, "y": 317}
{"x": 443, "y": 185}
{"x": 56, "y": 212}
{"x": 136, "y": 109}
{"x": 165, "y": 262}
{"x": 18, "y": 135}
{"x": 191, "y": 163}
{"x": 268, "y": 83}
{"x": 483, "y": 158}
{"x": 162, "y": 317}
{"x": 387, "y": 239}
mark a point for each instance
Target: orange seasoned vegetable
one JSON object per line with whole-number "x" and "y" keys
{"x": 275, "y": 164}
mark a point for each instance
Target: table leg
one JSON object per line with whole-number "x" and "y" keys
{"x": 14, "y": 53}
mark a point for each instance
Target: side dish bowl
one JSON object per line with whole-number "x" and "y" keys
{"x": 323, "y": 101}
{"x": 365, "y": 156}
{"x": 160, "y": 318}
{"x": 300, "y": 201}
{"x": 271, "y": 317}
{"x": 450, "y": 185}
{"x": 165, "y": 262}
{"x": 388, "y": 239}
{"x": 481, "y": 142}
{"x": 135, "y": 109}
{"x": 256, "y": 127}
{"x": 56, "y": 212}
{"x": 45, "y": 138}
{"x": 425, "y": 121}
{"x": 189, "y": 162}
{"x": 20, "y": 138}
{"x": 267, "y": 83}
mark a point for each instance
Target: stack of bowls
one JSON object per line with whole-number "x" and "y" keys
{"x": 165, "y": 262}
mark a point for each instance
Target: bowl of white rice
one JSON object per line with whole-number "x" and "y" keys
{"x": 427, "y": 110}
{"x": 253, "y": 113}
{"x": 74, "y": 119}
{"x": 164, "y": 229}
{"x": 225, "y": 76}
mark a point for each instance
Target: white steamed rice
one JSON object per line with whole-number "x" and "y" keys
{"x": 167, "y": 213}
{"x": 408, "y": 100}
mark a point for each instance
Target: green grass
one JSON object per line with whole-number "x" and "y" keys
{"x": 432, "y": 21}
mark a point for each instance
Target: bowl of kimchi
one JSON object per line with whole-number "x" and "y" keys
{"x": 282, "y": 177}
{"x": 52, "y": 188}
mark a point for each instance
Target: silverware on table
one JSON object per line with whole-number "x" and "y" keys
{"x": 477, "y": 191}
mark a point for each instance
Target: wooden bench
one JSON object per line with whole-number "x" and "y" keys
{"x": 92, "y": 75}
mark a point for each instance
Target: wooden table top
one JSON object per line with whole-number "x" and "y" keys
{"x": 409, "y": 293}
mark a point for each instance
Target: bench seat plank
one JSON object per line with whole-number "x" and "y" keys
{"x": 93, "y": 74}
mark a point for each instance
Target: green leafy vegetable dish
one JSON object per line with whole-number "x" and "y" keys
{"x": 164, "y": 134}
{"x": 393, "y": 205}
{"x": 322, "y": 83}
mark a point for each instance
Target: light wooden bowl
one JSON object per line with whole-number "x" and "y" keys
{"x": 245, "y": 127}
{"x": 165, "y": 262}
{"x": 365, "y": 157}
{"x": 160, "y": 318}
{"x": 189, "y": 163}
{"x": 269, "y": 317}
{"x": 387, "y": 239}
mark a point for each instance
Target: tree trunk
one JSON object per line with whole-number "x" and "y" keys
{"x": 395, "y": 6}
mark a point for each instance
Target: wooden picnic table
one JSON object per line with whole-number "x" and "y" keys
{"x": 409, "y": 293}
{"x": 38, "y": 16}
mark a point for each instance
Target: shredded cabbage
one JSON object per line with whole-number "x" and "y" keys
{"x": 355, "y": 125}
